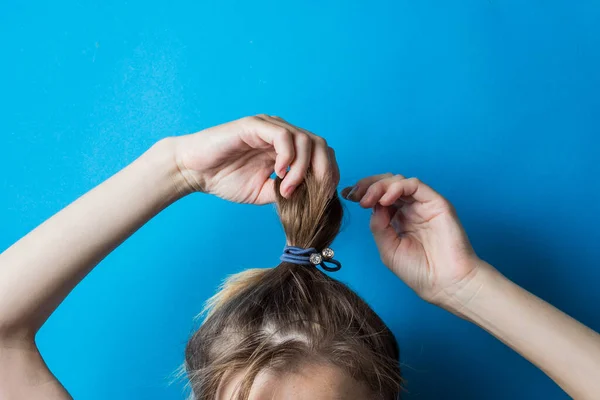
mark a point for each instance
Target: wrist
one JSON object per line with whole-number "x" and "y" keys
{"x": 463, "y": 300}
{"x": 162, "y": 158}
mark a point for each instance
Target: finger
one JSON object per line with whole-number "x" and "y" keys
{"x": 320, "y": 163}
{"x": 398, "y": 190}
{"x": 298, "y": 168}
{"x": 280, "y": 137}
{"x": 384, "y": 233}
{"x": 267, "y": 193}
{"x": 303, "y": 149}
{"x": 279, "y": 121}
{"x": 407, "y": 189}
{"x": 335, "y": 167}
{"x": 278, "y": 118}
{"x": 377, "y": 190}
{"x": 356, "y": 192}
{"x": 397, "y": 219}
{"x": 393, "y": 192}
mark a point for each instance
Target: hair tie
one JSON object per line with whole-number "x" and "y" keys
{"x": 310, "y": 256}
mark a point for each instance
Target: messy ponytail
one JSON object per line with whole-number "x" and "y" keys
{"x": 276, "y": 319}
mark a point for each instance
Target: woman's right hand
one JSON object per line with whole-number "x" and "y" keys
{"x": 419, "y": 236}
{"x": 234, "y": 161}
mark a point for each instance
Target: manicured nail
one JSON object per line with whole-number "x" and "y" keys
{"x": 352, "y": 192}
{"x": 345, "y": 191}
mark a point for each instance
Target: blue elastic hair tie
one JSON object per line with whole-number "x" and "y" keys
{"x": 310, "y": 256}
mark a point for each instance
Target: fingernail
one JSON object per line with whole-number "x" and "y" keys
{"x": 352, "y": 192}
{"x": 289, "y": 190}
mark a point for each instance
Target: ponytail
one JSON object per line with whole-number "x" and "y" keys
{"x": 279, "y": 318}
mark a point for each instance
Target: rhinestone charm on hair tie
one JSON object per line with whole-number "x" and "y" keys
{"x": 316, "y": 258}
{"x": 310, "y": 256}
{"x": 327, "y": 253}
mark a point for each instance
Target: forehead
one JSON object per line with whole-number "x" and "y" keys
{"x": 310, "y": 382}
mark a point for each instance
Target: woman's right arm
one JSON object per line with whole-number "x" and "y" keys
{"x": 39, "y": 271}
{"x": 233, "y": 161}
{"x": 422, "y": 241}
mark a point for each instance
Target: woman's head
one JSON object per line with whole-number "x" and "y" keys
{"x": 292, "y": 330}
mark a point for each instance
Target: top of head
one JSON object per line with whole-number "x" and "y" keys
{"x": 276, "y": 320}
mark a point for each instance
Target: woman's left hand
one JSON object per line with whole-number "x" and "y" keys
{"x": 235, "y": 160}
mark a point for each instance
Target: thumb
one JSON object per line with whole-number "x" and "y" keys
{"x": 384, "y": 233}
{"x": 267, "y": 193}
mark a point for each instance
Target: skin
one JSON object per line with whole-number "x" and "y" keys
{"x": 309, "y": 382}
{"x": 416, "y": 230}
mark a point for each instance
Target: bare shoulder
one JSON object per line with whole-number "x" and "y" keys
{"x": 25, "y": 375}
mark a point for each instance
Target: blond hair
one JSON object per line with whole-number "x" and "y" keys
{"x": 278, "y": 318}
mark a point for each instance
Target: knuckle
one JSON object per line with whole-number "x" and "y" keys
{"x": 384, "y": 258}
{"x": 320, "y": 141}
{"x": 395, "y": 186}
{"x": 372, "y": 228}
{"x": 287, "y": 156}
{"x": 302, "y": 139}
{"x": 281, "y": 131}
{"x": 364, "y": 181}
{"x": 375, "y": 188}
{"x": 399, "y": 177}
{"x": 250, "y": 119}
{"x": 446, "y": 205}
{"x": 261, "y": 116}
{"x": 294, "y": 176}
{"x": 361, "y": 184}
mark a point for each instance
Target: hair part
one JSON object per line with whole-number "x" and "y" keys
{"x": 278, "y": 319}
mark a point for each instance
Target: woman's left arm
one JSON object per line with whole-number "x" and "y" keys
{"x": 233, "y": 161}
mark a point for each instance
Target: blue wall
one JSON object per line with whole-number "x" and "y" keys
{"x": 494, "y": 103}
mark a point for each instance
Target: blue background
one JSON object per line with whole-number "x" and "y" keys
{"x": 493, "y": 103}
